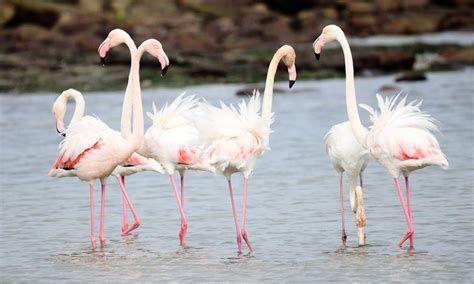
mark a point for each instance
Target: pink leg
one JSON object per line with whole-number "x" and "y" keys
{"x": 407, "y": 215}
{"x": 237, "y": 230}
{"x": 102, "y": 217}
{"x": 244, "y": 208}
{"x": 91, "y": 191}
{"x": 341, "y": 201}
{"x": 127, "y": 200}
{"x": 182, "y": 188}
{"x": 121, "y": 180}
{"x": 411, "y": 236}
{"x": 362, "y": 187}
{"x": 184, "y": 223}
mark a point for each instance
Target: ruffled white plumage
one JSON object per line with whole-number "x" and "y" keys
{"x": 401, "y": 137}
{"x": 234, "y": 137}
{"x": 173, "y": 139}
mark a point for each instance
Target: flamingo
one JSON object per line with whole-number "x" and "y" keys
{"x": 348, "y": 156}
{"x": 173, "y": 140}
{"x": 136, "y": 163}
{"x": 236, "y": 138}
{"x": 94, "y": 150}
{"x": 400, "y": 138}
{"x": 170, "y": 141}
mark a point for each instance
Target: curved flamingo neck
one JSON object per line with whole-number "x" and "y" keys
{"x": 136, "y": 97}
{"x": 351, "y": 102}
{"x": 268, "y": 93}
{"x": 125, "y": 122}
{"x": 79, "y": 105}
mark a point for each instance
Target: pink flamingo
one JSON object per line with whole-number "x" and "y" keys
{"x": 236, "y": 138}
{"x": 94, "y": 150}
{"x": 348, "y": 156}
{"x": 400, "y": 138}
{"x": 139, "y": 163}
{"x": 173, "y": 140}
{"x": 170, "y": 141}
{"x": 136, "y": 163}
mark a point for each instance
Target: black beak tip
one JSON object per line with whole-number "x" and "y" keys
{"x": 102, "y": 60}
{"x": 164, "y": 70}
{"x": 291, "y": 83}
{"x": 317, "y": 55}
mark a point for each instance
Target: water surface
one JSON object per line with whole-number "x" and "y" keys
{"x": 293, "y": 211}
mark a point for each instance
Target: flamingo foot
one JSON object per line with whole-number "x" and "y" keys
{"x": 124, "y": 228}
{"x": 239, "y": 243}
{"x": 246, "y": 239}
{"x": 102, "y": 241}
{"x": 344, "y": 237}
{"x": 129, "y": 229}
{"x": 94, "y": 246}
{"x": 408, "y": 235}
{"x": 182, "y": 233}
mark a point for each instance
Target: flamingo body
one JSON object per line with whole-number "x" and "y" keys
{"x": 401, "y": 137}
{"x": 348, "y": 156}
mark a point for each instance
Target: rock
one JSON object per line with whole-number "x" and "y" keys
{"x": 463, "y": 56}
{"x": 361, "y": 7}
{"x": 413, "y": 24}
{"x": 414, "y": 4}
{"x": 364, "y": 24}
{"x": 91, "y": 6}
{"x": 411, "y": 77}
{"x": 7, "y": 11}
{"x": 388, "y": 89}
{"x": 426, "y": 60}
{"x": 248, "y": 91}
{"x": 330, "y": 13}
{"x": 388, "y": 5}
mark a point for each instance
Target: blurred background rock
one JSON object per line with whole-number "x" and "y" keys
{"x": 52, "y": 45}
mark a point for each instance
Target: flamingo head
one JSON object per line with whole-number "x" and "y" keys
{"x": 329, "y": 33}
{"x": 115, "y": 37}
{"x": 155, "y": 49}
{"x": 289, "y": 59}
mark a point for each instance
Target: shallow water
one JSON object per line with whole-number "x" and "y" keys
{"x": 293, "y": 212}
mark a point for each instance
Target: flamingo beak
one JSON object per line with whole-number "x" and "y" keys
{"x": 60, "y": 127}
{"x": 317, "y": 45}
{"x": 164, "y": 70}
{"x": 292, "y": 75}
{"x": 103, "y": 49}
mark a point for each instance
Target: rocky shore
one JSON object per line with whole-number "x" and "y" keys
{"x": 52, "y": 45}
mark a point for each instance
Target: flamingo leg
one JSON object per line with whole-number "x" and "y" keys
{"x": 407, "y": 215}
{"x": 121, "y": 179}
{"x": 91, "y": 192}
{"x": 184, "y": 223}
{"x": 181, "y": 175}
{"x": 102, "y": 217}
{"x": 244, "y": 208}
{"x": 363, "y": 228}
{"x": 341, "y": 201}
{"x": 408, "y": 235}
{"x": 237, "y": 230}
{"x": 127, "y": 200}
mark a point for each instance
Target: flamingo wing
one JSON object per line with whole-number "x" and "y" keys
{"x": 403, "y": 132}
{"x": 82, "y": 137}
